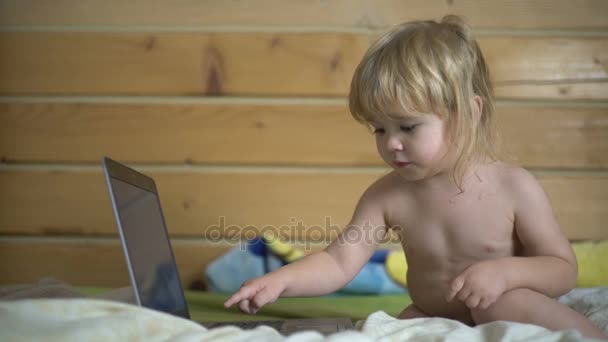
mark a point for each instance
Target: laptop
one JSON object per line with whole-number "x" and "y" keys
{"x": 149, "y": 256}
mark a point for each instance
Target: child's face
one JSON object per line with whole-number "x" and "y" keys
{"x": 412, "y": 145}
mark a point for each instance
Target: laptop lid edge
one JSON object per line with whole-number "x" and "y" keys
{"x": 109, "y": 166}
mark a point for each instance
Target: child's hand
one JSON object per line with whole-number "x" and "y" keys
{"x": 256, "y": 293}
{"x": 479, "y": 285}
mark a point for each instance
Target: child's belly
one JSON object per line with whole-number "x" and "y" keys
{"x": 428, "y": 292}
{"x": 434, "y": 263}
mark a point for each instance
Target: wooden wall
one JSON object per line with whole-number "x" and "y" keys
{"x": 238, "y": 109}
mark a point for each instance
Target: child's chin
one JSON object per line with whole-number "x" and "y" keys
{"x": 410, "y": 174}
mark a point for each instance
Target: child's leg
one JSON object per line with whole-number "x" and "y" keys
{"x": 412, "y": 311}
{"x": 527, "y": 306}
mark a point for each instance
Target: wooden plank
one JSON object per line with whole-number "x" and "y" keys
{"x": 269, "y": 64}
{"x": 495, "y": 14}
{"x": 271, "y": 133}
{"x": 92, "y": 262}
{"x": 312, "y": 205}
{"x": 544, "y": 67}
{"x": 553, "y": 90}
{"x": 580, "y": 204}
{"x": 551, "y": 136}
{"x": 230, "y": 133}
{"x": 212, "y": 204}
{"x": 179, "y": 63}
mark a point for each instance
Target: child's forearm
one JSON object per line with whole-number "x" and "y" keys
{"x": 549, "y": 275}
{"x": 315, "y": 275}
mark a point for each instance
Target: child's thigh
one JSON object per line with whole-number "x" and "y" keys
{"x": 514, "y": 305}
{"x": 528, "y": 306}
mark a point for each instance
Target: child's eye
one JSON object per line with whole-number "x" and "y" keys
{"x": 378, "y": 130}
{"x": 408, "y": 128}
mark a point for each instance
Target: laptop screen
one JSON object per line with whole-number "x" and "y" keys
{"x": 148, "y": 249}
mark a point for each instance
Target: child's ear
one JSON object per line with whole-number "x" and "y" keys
{"x": 477, "y": 107}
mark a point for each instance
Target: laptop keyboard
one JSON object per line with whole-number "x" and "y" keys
{"x": 245, "y": 325}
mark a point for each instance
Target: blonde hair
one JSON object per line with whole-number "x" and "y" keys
{"x": 431, "y": 67}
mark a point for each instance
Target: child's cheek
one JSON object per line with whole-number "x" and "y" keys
{"x": 433, "y": 148}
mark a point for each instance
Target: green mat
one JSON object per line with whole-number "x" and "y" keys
{"x": 206, "y": 306}
{"x": 209, "y": 307}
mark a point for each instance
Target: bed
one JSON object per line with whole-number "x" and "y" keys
{"x": 99, "y": 313}
{"x": 78, "y": 319}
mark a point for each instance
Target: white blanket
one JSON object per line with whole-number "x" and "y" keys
{"x": 91, "y": 320}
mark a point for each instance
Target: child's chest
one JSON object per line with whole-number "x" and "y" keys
{"x": 478, "y": 224}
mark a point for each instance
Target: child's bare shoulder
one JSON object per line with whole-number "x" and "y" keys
{"x": 514, "y": 175}
{"x": 385, "y": 192}
{"x": 385, "y": 186}
{"x": 516, "y": 180}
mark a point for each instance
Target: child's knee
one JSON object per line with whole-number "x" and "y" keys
{"x": 507, "y": 307}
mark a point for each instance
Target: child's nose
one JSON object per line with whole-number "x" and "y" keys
{"x": 394, "y": 144}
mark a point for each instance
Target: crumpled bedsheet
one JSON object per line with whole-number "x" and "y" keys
{"x": 100, "y": 320}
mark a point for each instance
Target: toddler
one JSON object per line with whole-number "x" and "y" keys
{"x": 480, "y": 238}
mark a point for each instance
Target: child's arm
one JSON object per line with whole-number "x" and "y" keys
{"x": 323, "y": 272}
{"x": 548, "y": 264}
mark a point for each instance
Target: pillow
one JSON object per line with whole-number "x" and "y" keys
{"x": 592, "y": 260}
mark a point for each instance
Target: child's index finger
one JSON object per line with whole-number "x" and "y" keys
{"x": 228, "y": 303}
{"x": 235, "y": 298}
{"x": 246, "y": 291}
